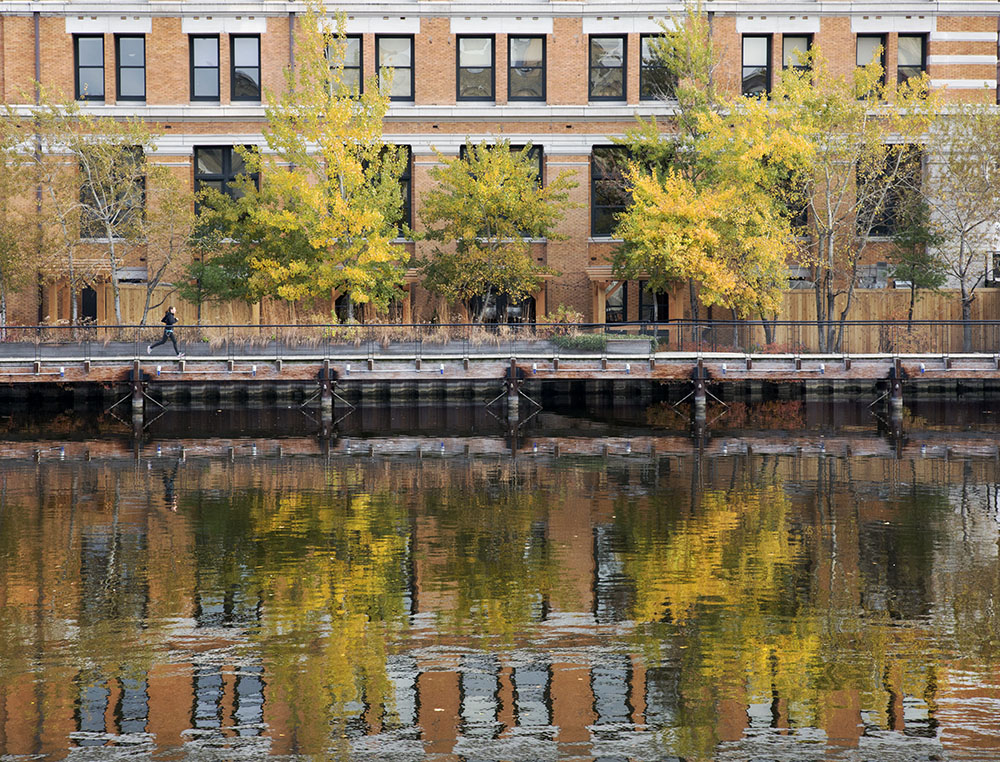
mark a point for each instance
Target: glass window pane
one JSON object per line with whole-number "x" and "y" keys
{"x": 475, "y": 52}
{"x": 246, "y": 83}
{"x": 246, "y": 51}
{"x": 657, "y": 82}
{"x": 754, "y": 80}
{"x": 755, "y": 51}
{"x": 400, "y": 84}
{"x": 911, "y": 50}
{"x": 866, "y": 50}
{"x": 526, "y": 51}
{"x": 208, "y": 161}
{"x": 475, "y": 83}
{"x": 607, "y": 51}
{"x": 90, "y": 51}
{"x": 647, "y": 51}
{"x": 214, "y": 184}
{"x": 132, "y": 83}
{"x": 206, "y": 51}
{"x": 352, "y": 51}
{"x": 351, "y": 81}
{"x": 237, "y": 165}
{"x": 92, "y": 82}
{"x": 394, "y": 52}
{"x": 526, "y": 83}
{"x": 792, "y": 50}
{"x": 132, "y": 51}
{"x": 606, "y": 83}
{"x": 206, "y": 83}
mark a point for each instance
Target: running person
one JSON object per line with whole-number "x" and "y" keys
{"x": 168, "y": 319}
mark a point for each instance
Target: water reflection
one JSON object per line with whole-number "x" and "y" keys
{"x": 640, "y": 597}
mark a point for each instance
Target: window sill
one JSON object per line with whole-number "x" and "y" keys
{"x": 604, "y": 239}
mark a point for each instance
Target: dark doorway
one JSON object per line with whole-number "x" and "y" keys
{"x": 88, "y": 305}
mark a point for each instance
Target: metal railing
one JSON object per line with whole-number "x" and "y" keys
{"x": 432, "y": 342}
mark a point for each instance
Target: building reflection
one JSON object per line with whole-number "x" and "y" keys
{"x": 176, "y": 638}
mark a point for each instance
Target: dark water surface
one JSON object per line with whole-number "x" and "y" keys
{"x": 793, "y": 583}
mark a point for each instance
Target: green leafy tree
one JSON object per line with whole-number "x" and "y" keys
{"x": 914, "y": 255}
{"x": 326, "y": 214}
{"x": 18, "y": 210}
{"x": 486, "y": 207}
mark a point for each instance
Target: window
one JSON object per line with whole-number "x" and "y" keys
{"x": 396, "y": 54}
{"x": 873, "y": 276}
{"x": 607, "y": 69}
{"x": 88, "y": 51}
{"x": 218, "y": 167}
{"x": 130, "y": 55}
{"x": 526, "y": 69}
{"x": 475, "y": 69}
{"x": 244, "y": 67}
{"x": 871, "y": 48}
{"x": 406, "y": 187}
{"x": 534, "y": 156}
{"x": 616, "y": 302}
{"x": 115, "y": 195}
{"x": 653, "y": 307}
{"x": 656, "y": 81}
{"x": 346, "y": 52}
{"x": 882, "y": 190}
{"x": 756, "y": 65}
{"x": 794, "y": 48}
{"x": 609, "y": 195}
{"x": 911, "y": 56}
{"x": 205, "y": 68}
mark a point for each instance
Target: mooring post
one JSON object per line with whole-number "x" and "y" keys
{"x": 700, "y": 400}
{"x": 326, "y": 393}
{"x": 137, "y": 399}
{"x": 896, "y": 397}
{"x": 513, "y": 397}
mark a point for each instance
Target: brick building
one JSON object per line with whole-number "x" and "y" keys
{"x": 564, "y": 76}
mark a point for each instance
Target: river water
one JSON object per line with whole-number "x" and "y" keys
{"x": 788, "y": 583}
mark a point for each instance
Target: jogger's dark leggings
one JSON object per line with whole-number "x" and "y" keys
{"x": 168, "y": 335}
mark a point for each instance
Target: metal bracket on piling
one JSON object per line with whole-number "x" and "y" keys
{"x": 417, "y": 363}
{"x": 465, "y": 363}
{"x": 749, "y": 363}
{"x": 371, "y": 364}
{"x": 277, "y": 365}
{"x": 798, "y": 363}
{"x": 38, "y": 367}
{"x": 604, "y": 363}
{"x": 230, "y": 364}
{"x": 652, "y": 363}
{"x": 847, "y": 362}
{"x": 947, "y": 362}
{"x": 86, "y": 366}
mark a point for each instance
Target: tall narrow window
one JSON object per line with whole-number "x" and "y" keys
{"x": 656, "y": 81}
{"x": 406, "y": 187}
{"x": 345, "y": 53}
{"x": 219, "y": 167}
{"x": 475, "y": 76}
{"x": 616, "y": 302}
{"x": 794, "y": 49}
{"x": 609, "y": 194}
{"x": 911, "y": 57}
{"x": 395, "y": 54}
{"x": 244, "y": 67}
{"x": 756, "y": 64}
{"x": 205, "y": 68}
{"x": 871, "y": 49}
{"x": 607, "y": 69}
{"x": 130, "y": 55}
{"x": 88, "y": 50}
{"x": 526, "y": 69}
{"x": 113, "y": 199}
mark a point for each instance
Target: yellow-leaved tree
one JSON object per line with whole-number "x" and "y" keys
{"x": 329, "y": 203}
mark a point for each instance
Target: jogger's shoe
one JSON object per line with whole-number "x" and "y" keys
{"x": 149, "y": 349}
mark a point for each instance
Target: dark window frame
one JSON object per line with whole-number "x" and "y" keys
{"x": 646, "y": 299}
{"x": 768, "y": 67}
{"x": 119, "y": 67}
{"x": 233, "y": 67}
{"x": 595, "y": 178}
{"x": 543, "y": 68}
{"x": 360, "y": 39}
{"x": 623, "y": 290}
{"x": 923, "y": 57}
{"x": 396, "y": 69}
{"x": 591, "y": 68}
{"x": 87, "y": 231}
{"x": 809, "y": 46}
{"x": 643, "y": 74}
{"x": 77, "y": 68}
{"x": 218, "y": 68}
{"x": 492, "y": 67}
{"x": 407, "y": 176}
{"x": 885, "y": 223}
{"x": 226, "y": 176}
{"x": 883, "y": 41}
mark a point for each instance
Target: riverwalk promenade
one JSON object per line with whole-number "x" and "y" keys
{"x": 339, "y": 364}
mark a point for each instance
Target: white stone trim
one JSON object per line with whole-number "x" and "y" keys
{"x": 963, "y": 60}
{"x": 965, "y": 84}
{"x": 879, "y": 23}
{"x": 963, "y": 37}
{"x": 625, "y": 24}
{"x": 379, "y": 25}
{"x": 108, "y": 25}
{"x": 501, "y": 24}
{"x": 777, "y": 23}
{"x": 224, "y": 25}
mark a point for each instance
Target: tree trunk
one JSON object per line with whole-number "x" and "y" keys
{"x": 967, "y": 299}
{"x": 693, "y": 296}
{"x": 909, "y": 312}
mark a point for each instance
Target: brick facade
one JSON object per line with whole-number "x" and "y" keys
{"x": 961, "y": 58}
